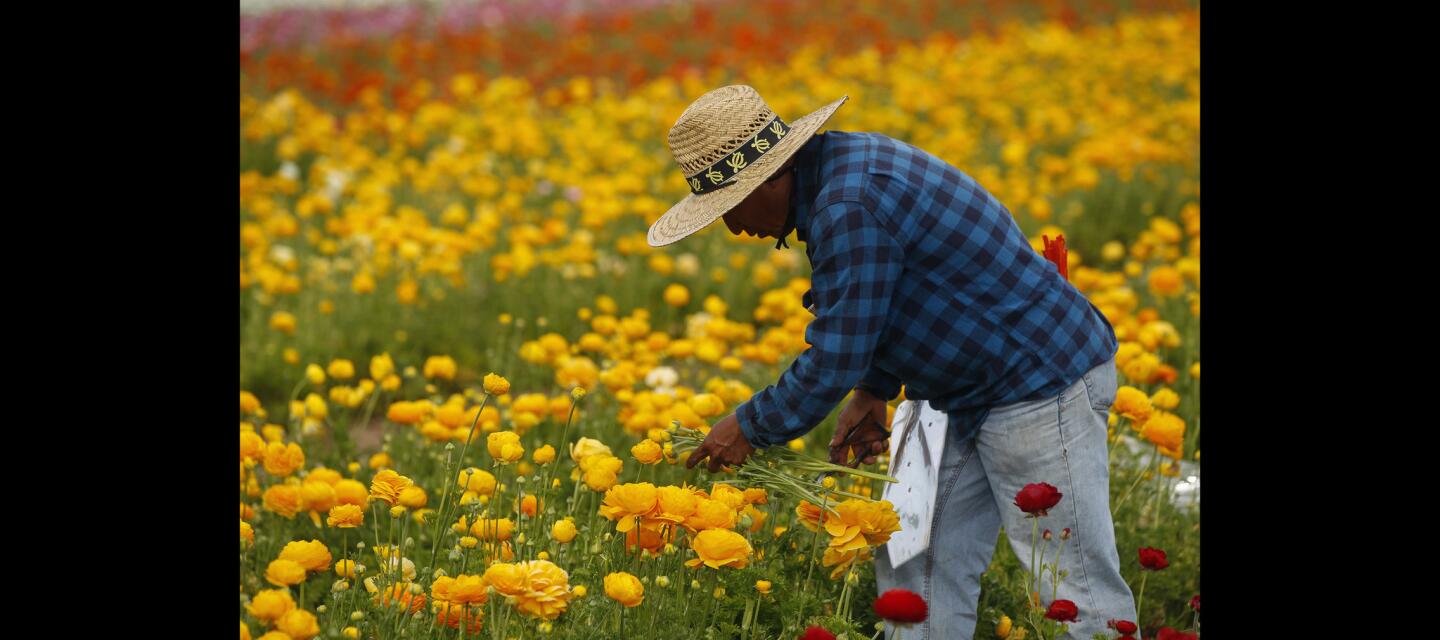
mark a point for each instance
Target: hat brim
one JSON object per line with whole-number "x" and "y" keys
{"x": 697, "y": 212}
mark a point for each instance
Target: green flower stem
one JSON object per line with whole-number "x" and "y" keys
{"x": 564, "y": 434}
{"x": 1141, "y": 600}
{"x": 441, "y": 518}
{"x": 1055, "y": 582}
{"x": 440, "y": 513}
{"x": 1034, "y": 576}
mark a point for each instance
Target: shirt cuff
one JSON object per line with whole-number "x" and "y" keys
{"x": 745, "y": 415}
{"x": 880, "y": 384}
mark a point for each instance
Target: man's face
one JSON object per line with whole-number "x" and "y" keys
{"x": 764, "y": 211}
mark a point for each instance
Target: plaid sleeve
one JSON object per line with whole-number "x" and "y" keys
{"x": 881, "y": 384}
{"x": 854, "y": 268}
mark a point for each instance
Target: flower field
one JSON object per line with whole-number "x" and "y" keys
{"x": 468, "y": 384}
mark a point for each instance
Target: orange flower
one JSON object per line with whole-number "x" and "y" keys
{"x": 860, "y": 523}
{"x": 346, "y": 516}
{"x": 625, "y": 502}
{"x": 312, "y": 555}
{"x": 387, "y": 486}
{"x": 720, "y": 548}
{"x": 810, "y": 515}
{"x": 624, "y": 589}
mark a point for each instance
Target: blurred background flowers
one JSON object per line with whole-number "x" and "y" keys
{"x": 434, "y": 191}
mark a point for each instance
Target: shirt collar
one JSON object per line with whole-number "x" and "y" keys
{"x": 807, "y": 186}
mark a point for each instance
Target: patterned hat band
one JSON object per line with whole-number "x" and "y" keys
{"x": 718, "y": 175}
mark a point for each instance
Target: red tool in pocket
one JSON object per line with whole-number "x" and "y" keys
{"x": 1055, "y": 252}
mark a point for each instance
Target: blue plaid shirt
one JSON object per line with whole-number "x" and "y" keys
{"x": 921, "y": 277}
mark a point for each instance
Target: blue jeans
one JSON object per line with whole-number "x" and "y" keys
{"x": 1060, "y": 441}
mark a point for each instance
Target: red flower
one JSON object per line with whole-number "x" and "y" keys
{"x": 1055, "y": 252}
{"x": 817, "y": 633}
{"x": 1037, "y": 498}
{"x": 899, "y": 605}
{"x": 1195, "y": 603}
{"x": 1166, "y": 633}
{"x": 1153, "y": 559}
{"x": 1123, "y": 626}
{"x": 1063, "y": 611}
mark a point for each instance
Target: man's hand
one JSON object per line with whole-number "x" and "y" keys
{"x": 862, "y": 422}
{"x": 726, "y": 445}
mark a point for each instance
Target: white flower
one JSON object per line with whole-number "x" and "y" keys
{"x": 662, "y": 378}
{"x": 687, "y": 264}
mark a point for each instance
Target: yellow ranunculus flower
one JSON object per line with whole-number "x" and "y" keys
{"x": 298, "y": 624}
{"x": 478, "y": 480}
{"x": 270, "y": 604}
{"x": 381, "y": 460}
{"x": 731, "y": 496}
{"x": 381, "y": 366}
{"x": 469, "y": 590}
{"x": 1166, "y": 399}
{"x": 544, "y": 455}
{"x": 405, "y": 412}
{"x": 763, "y": 586}
{"x": 317, "y": 495}
{"x": 315, "y": 374}
{"x": 1165, "y": 430}
{"x": 711, "y": 514}
{"x": 496, "y": 385}
{"x": 1141, "y": 369}
{"x": 312, "y": 555}
{"x": 493, "y": 529}
{"x": 707, "y": 405}
{"x": 247, "y": 533}
{"x": 252, "y": 446}
{"x": 283, "y": 321}
{"x": 440, "y": 367}
{"x": 547, "y": 591}
{"x": 720, "y": 548}
{"x": 1166, "y": 281}
{"x": 282, "y": 460}
{"x": 1003, "y": 629}
{"x": 843, "y": 560}
{"x": 341, "y": 369}
{"x": 352, "y": 492}
{"x": 625, "y": 589}
{"x": 860, "y": 523}
{"x": 676, "y": 295}
{"x": 507, "y": 579}
{"x": 345, "y": 569}
{"x": 413, "y": 497}
{"x": 601, "y": 479}
{"x": 624, "y": 503}
{"x": 248, "y": 402}
{"x": 321, "y": 474}
{"x": 283, "y": 499}
{"x": 647, "y": 452}
{"x": 505, "y": 446}
{"x": 563, "y": 531}
{"x": 1132, "y": 403}
{"x": 284, "y": 573}
{"x": 387, "y": 485}
{"x": 315, "y": 406}
{"x": 585, "y": 447}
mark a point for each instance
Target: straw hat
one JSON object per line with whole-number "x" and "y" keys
{"x": 727, "y": 143}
